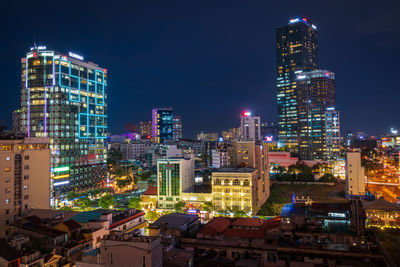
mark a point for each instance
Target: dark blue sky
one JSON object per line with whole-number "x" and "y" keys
{"x": 210, "y": 59}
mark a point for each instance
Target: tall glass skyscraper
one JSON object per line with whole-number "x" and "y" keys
{"x": 305, "y": 94}
{"x": 297, "y": 50}
{"x": 64, "y": 98}
{"x": 162, "y": 124}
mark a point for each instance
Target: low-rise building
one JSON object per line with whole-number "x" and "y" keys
{"x": 235, "y": 188}
{"x": 176, "y": 224}
{"x": 126, "y": 251}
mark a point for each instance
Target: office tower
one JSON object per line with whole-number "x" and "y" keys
{"x": 177, "y": 128}
{"x": 207, "y": 136}
{"x": 25, "y": 177}
{"x": 162, "y": 124}
{"x": 355, "y": 178}
{"x": 315, "y": 95}
{"x": 250, "y": 127}
{"x": 64, "y": 98}
{"x": 332, "y": 134}
{"x": 16, "y": 121}
{"x": 297, "y": 50}
{"x": 145, "y": 129}
{"x": 174, "y": 176}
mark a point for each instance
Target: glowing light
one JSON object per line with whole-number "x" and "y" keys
{"x": 61, "y": 176}
{"x": 300, "y": 77}
{"x": 61, "y": 169}
{"x": 75, "y": 55}
{"x": 40, "y": 47}
{"x": 246, "y": 113}
{"x": 61, "y": 183}
{"x": 294, "y": 20}
{"x": 269, "y": 138}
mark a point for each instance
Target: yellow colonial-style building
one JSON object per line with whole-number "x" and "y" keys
{"x": 235, "y": 188}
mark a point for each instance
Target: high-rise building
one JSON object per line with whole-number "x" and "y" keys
{"x": 16, "y": 121}
{"x": 64, "y": 98}
{"x": 315, "y": 95}
{"x": 25, "y": 177}
{"x": 332, "y": 134}
{"x": 162, "y": 124}
{"x": 174, "y": 176}
{"x": 177, "y": 128}
{"x": 145, "y": 129}
{"x": 297, "y": 50}
{"x": 250, "y": 127}
{"x": 355, "y": 177}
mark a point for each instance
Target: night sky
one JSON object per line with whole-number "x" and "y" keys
{"x": 210, "y": 60}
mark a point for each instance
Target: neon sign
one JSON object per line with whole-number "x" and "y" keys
{"x": 40, "y": 47}
{"x": 246, "y": 113}
{"x": 269, "y": 138}
{"x": 75, "y": 55}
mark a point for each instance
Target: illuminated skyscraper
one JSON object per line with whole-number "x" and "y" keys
{"x": 64, "y": 98}
{"x": 162, "y": 124}
{"x": 297, "y": 50}
{"x": 315, "y": 108}
{"x": 250, "y": 127}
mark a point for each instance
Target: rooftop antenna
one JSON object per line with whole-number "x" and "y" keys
{"x": 34, "y": 40}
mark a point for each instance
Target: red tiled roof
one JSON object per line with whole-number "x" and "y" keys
{"x": 271, "y": 223}
{"x": 151, "y": 190}
{"x": 245, "y": 233}
{"x": 216, "y": 226}
{"x": 247, "y": 222}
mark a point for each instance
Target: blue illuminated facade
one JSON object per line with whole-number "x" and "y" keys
{"x": 64, "y": 98}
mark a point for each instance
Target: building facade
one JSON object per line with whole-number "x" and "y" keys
{"x": 177, "y": 130}
{"x": 315, "y": 104}
{"x": 174, "y": 176}
{"x": 297, "y": 50}
{"x": 235, "y": 188}
{"x": 250, "y": 127}
{"x": 25, "y": 172}
{"x": 64, "y": 98}
{"x": 16, "y": 122}
{"x": 145, "y": 129}
{"x": 162, "y": 124}
{"x": 355, "y": 177}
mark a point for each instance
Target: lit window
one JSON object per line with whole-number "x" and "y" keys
{"x": 8, "y": 158}
{"x": 7, "y": 201}
{"x": 7, "y": 169}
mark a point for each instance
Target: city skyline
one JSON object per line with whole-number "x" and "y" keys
{"x": 222, "y": 56}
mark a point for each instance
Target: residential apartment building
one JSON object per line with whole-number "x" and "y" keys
{"x": 25, "y": 173}
{"x": 355, "y": 177}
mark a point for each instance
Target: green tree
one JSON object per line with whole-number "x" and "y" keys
{"x": 72, "y": 195}
{"x": 123, "y": 182}
{"x": 135, "y": 203}
{"x": 208, "y": 206}
{"x": 106, "y": 201}
{"x": 151, "y": 216}
{"x": 84, "y": 203}
{"x": 238, "y": 213}
{"x": 327, "y": 177}
{"x": 179, "y": 206}
{"x": 66, "y": 208}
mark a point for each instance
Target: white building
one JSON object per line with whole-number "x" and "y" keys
{"x": 174, "y": 176}
{"x": 250, "y": 127}
{"x": 355, "y": 178}
{"x": 220, "y": 158}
